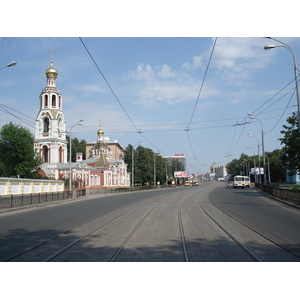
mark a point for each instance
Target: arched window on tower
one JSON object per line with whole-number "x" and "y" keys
{"x": 46, "y": 101}
{"x": 61, "y": 157}
{"x": 53, "y": 100}
{"x": 46, "y": 125}
{"x": 45, "y": 154}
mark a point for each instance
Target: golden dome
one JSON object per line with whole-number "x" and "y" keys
{"x": 100, "y": 132}
{"x": 51, "y": 71}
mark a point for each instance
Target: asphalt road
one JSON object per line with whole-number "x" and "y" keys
{"x": 25, "y": 228}
{"x": 280, "y": 223}
{"x": 158, "y": 237}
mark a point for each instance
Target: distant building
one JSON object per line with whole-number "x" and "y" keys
{"x": 292, "y": 179}
{"x": 210, "y": 176}
{"x": 217, "y": 172}
{"x": 221, "y": 172}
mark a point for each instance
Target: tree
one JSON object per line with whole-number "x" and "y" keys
{"x": 77, "y": 147}
{"x": 18, "y": 157}
{"x": 144, "y": 165}
{"x": 176, "y": 165}
{"x": 291, "y": 140}
{"x": 277, "y": 165}
{"x": 234, "y": 167}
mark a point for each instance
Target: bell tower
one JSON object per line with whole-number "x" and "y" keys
{"x": 50, "y": 125}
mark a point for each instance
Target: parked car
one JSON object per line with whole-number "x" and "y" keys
{"x": 172, "y": 185}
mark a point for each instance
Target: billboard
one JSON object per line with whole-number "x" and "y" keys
{"x": 180, "y": 174}
{"x": 255, "y": 171}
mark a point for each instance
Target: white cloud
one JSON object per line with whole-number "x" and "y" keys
{"x": 166, "y": 72}
{"x": 162, "y": 85}
{"x": 238, "y": 58}
{"x": 142, "y": 72}
{"x": 170, "y": 92}
{"x": 89, "y": 89}
{"x": 197, "y": 62}
{"x": 147, "y": 73}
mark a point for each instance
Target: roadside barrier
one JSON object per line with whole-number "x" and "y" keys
{"x": 31, "y": 199}
{"x": 282, "y": 193}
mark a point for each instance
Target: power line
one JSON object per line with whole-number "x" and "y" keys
{"x": 111, "y": 89}
{"x": 211, "y": 54}
{"x": 282, "y": 113}
{"x": 274, "y": 97}
{"x": 108, "y": 83}
{"x": 17, "y": 111}
{"x": 203, "y": 80}
{"x": 19, "y": 118}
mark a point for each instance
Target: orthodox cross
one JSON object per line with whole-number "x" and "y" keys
{"x": 52, "y": 55}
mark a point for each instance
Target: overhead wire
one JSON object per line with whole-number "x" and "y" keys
{"x": 273, "y": 96}
{"x": 106, "y": 81}
{"x": 198, "y": 97}
{"x": 17, "y": 117}
{"x": 203, "y": 80}
{"x": 111, "y": 89}
{"x": 282, "y": 113}
{"x": 277, "y": 93}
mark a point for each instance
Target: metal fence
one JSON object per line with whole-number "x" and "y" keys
{"x": 282, "y": 193}
{"x": 31, "y": 199}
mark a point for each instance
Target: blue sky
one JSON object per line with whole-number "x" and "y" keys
{"x": 157, "y": 81}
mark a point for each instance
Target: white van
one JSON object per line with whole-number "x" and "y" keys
{"x": 241, "y": 181}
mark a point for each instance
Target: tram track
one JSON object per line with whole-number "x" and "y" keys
{"x": 118, "y": 250}
{"x": 258, "y": 233}
{"x": 34, "y": 253}
{"x": 180, "y": 227}
{"x": 185, "y": 251}
{"x": 183, "y": 238}
{"x": 61, "y": 235}
{"x": 242, "y": 246}
{"x": 279, "y": 251}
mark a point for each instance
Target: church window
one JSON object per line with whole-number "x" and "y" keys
{"x": 45, "y": 153}
{"x": 61, "y": 154}
{"x": 53, "y": 100}
{"x": 46, "y": 101}
{"x": 46, "y": 125}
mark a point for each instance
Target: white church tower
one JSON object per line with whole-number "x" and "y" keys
{"x": 50, "y": 129}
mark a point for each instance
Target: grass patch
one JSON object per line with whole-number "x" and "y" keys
{"x": 295, "y": 187}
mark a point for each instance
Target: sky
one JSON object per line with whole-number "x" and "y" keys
{"x": 176, "y": 80}
{"x": 175, "y": 95}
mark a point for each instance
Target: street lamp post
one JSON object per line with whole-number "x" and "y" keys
{"x": 70, "y": 156}
{"x": 254, "y": 161}
{"x": 154, "y": 168}
{"x": 247, "y": 167}
{"x": 262, "y": 145}
{"x": 132, "y": 163}
{"x": 252, "y": 135}
{"x": 166, "y": 172}
{"x": 269, "y": 174}
{"x": 269, "y": 47}
{"x": 13, "y": 63}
